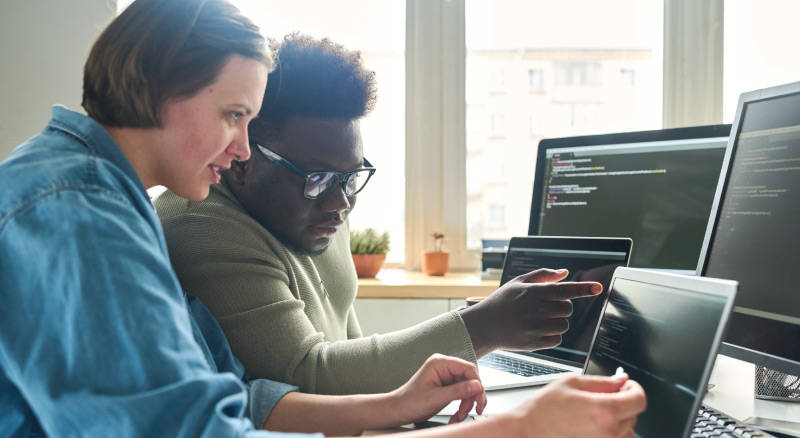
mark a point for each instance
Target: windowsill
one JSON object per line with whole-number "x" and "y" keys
{"x": 399, "y": 283}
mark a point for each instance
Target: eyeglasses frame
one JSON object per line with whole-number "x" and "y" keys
{"x": 342, "y": 177}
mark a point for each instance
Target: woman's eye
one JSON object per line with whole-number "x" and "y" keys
{"x": 235, "y": 116}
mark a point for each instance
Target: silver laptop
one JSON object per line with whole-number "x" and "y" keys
{"x": 588, "y": 259}
{"x": 664, "y": 330}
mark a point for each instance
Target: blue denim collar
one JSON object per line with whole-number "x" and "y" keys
{"x": 95, "y": 138}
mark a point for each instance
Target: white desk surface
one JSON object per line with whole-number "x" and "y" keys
{"x": 732, "y": 394}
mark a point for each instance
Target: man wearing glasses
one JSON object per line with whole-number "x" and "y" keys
{"x": 268, "y": 251}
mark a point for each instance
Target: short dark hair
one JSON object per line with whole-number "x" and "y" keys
{"x": 314, "y": 78}
{"x": 159, "y": 49}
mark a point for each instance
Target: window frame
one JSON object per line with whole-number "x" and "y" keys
{"x": 435, "y": 111}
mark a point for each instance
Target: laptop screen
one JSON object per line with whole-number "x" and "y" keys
{"x": 664, "y": 338}
{"x": 587, "y": 259}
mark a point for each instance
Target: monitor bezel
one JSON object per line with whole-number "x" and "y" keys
{"x": 726, "y": 289}
{"x": 761, "y": 358}
{"x": 673, "y": 134}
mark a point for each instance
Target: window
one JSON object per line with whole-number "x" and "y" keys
{"x": 573, "y": 74}
{"x": 498, "y": 79}
{"x": 497, "y": 215}
{"x": 760, "y": 47}
{"x": 628, "y": 76}
{"x": 378, "y": 31}
{"x": 552, "y": 69}
{"x": 497, "y": 124}
{"x": 533, "y": 126}
{"x": 583, "y": 53}
{"x": 535, "y": 80}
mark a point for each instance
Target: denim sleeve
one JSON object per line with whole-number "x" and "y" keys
{"x": 263, "y": 394}
{"x": 94, "y": 333}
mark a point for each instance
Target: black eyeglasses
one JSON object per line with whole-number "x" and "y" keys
{"x": 321, "y": 183}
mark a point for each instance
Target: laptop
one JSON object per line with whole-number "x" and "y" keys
{"x": 587, "y": 259}
{"x": 664, "y": 330}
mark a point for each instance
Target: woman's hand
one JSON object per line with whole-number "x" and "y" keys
{"x": 600, "y": 407}
{"x": 439, "y": 381}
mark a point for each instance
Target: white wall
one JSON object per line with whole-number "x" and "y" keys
{"x": 43, "y": 46}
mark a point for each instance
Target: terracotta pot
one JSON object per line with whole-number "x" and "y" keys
{"x": 435, "y": 262}
{"x": 368, "y": 265}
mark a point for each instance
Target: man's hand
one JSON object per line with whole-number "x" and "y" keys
{"x": 439, "y": 381}
{"x": 528, "y": 313}
{"x": 599, "y": 407}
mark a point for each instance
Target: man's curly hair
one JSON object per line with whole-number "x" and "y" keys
{"x": 313, "y": 78}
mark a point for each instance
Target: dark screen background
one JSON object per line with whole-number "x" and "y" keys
{"x": 663, "y": 204}
{"x": 576, "y": 341}
{"x": 662, "y": 337}
{"x": 756, "y": 240}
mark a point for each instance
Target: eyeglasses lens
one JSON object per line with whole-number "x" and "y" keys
{"x": 356, "y": 182}
{"x": 320, "y": 183}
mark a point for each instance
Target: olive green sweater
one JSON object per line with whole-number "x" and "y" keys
{"x": 290, "y": 317}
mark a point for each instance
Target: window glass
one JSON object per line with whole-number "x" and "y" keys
{"x": 377, "y": 29}
{"x": 539, "y": 68}
{"x": 760, "y": 47}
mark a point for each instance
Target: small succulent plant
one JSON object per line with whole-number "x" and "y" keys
{"x": 369, "y": 241}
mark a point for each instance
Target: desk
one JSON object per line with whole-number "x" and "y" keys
{"x": 734, "y": 382}
{"x": 732, "y": 394}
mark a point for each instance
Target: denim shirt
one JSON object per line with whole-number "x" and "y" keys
{"x": 95, "y": 336}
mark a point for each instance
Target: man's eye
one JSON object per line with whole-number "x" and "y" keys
{"x": 235, "y": 116}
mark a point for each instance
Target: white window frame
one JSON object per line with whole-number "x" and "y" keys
{"x": 693, "y": 36}
{"x": 436, "y": 109}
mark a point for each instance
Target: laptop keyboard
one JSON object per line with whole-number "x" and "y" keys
{"x": 515, "y": 366}
{"x": 713, "y": 423}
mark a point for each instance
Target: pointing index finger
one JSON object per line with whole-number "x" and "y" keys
{"x": 570, "y": 290}
{"x": 542, "y": 276}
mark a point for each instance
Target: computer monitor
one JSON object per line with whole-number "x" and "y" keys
{"x": 753, "y": 235}
{"x": 655, "y": 187}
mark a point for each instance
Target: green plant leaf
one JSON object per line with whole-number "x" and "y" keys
{"x": 369, "y": 241}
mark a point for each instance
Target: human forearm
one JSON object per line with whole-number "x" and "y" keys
{"x": 333, "y": 415}
{"x": 479, "y": 331}
{"x": 350, "y": 415}
{"x": 439, "y": 381}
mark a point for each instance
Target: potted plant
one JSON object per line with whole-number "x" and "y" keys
{"x": 369, "y": 249}
{"x": 436, "y": 262}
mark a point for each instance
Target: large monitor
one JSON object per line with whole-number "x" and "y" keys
{"x": 655, "y": 187}
{"x": 753, "y": 235}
